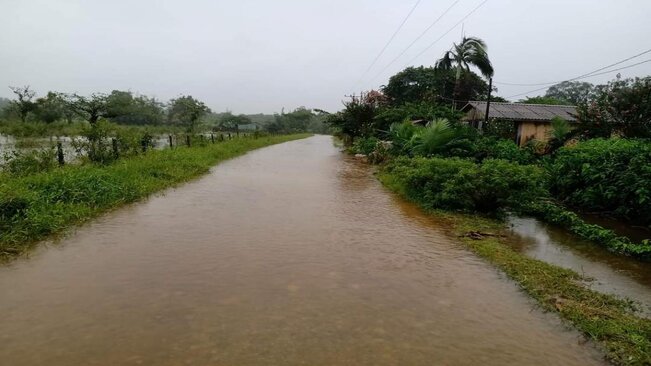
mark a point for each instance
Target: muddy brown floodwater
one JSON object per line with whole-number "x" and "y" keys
{"x": 290, "y": 255}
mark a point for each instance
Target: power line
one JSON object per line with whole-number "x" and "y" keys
{"x": 390, "y": 40}
{"x": 416, "y": 39}
{"x": 581, "y": 76}
{"x": 446, "y": 33}
{"x": 584, "y": 77}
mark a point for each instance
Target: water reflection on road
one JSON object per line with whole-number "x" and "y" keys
{"x": 292, "y": 254}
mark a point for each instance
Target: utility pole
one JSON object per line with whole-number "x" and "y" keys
{"x": 488, "y": 101}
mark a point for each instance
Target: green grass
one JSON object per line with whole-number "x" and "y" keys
{"x": 38, "y": 205}
{"x": 607, "y": 320}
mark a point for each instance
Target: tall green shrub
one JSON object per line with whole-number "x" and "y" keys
{"x": 611, "y": 175}
{"x": 460, "y": 184}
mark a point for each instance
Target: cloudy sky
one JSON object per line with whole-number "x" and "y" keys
{"x": 253, "y": 56}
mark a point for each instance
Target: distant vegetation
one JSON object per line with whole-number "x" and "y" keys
{"x": 55, "y": 113}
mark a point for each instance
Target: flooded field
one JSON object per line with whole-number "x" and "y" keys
{"x": 10, "y": 144}
{"x": 290, "y": 255}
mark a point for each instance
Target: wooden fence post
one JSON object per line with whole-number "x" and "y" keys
{"x": 187, "y": 140}
{"x": 60, "y": 153}
{"x": 212, "y": 137}
{"x": 116, "y": 152}
{"x": 171, "y": 145}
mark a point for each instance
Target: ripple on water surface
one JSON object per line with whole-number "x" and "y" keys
{"x": 292, "y": 254}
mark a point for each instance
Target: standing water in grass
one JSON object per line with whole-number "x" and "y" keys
{"x": 292, "y": 254}
{"x": 613, "y": 274}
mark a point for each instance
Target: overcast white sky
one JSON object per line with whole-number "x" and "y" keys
{"x": 260, "y": 56}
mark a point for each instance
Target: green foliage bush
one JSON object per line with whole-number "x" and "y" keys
{"x": 460, "y": 184}
{"x": 438, "y": 137}
{"x": 401, "y": 135}
{"x": 131, "y": 141}
{"x": 20, "y": 163}
{"x": 414, "y": 111}
{"x": 605, "y": 175}
{"x": 95, "y": 142}
{"x": 381, "y": 153}
{"x": 364, "y": 145}
{"x": 497, "y": 148}
{"x": 496, "y": 184}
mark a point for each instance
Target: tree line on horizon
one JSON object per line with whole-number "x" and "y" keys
{"x": 127, "y": 108}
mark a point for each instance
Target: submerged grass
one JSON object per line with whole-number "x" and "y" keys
{"x": 35, "y": 206}
{"x": 609, "y": 321}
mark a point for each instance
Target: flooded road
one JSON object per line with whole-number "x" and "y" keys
{"x": 290, "y": 255}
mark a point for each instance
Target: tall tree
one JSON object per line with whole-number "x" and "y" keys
{"x": 25, "y": 104}
{"x": 230, "y": 122}
{"x": 187, "y": 111}
{"x": 621, "y": 107}
{"x": 471, "y": 51}
{"x": 92, "y": 108}
{"x": 356, "y": 119}
{"x": 426, "y": 84}
{"x": 52, "y": 107}
{"x": 543, "y": 100}
{"x": 126, "y": 108}
{"x": 571, "y": 92}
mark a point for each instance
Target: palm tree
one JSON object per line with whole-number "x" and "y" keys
{"x": 439, "y": 136}
{"x": 470, "y": 52}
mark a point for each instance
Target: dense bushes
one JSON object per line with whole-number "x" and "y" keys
{"x": 29, "y": 162}
{"x": 605, "y": 175}
{"x": 602, "y": 175}
{"x": 496, "y": 148}
{"x": 364, "y": 145}
{"x": 464, "y": 185}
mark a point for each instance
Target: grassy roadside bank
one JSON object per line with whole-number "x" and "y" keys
{"x": 38, "y": 205}
{"x": 605, "y": 319}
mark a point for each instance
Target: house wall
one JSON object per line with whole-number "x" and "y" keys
{"x": 533, "y": 131}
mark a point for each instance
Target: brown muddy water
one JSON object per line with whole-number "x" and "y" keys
{"x": 633, "y": 232}
{"x": 613, "y": 274}
{"x": 290, "y": 255}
